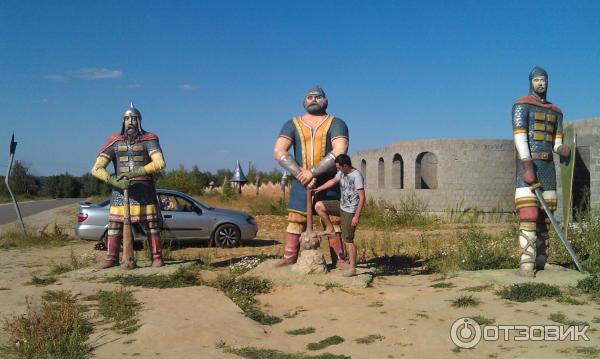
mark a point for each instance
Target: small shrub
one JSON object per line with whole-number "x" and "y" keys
{"x": 41, "y": 281}
{"x": 256, "y": 353}
{"x": 443, "y": 285}
{"x": 59, "y": 329}
{"x": 479, "y": 288}
{"x": 527, "y": 292}
{"x": 369, "y": 339}
{"x": 562, "y": 319}
{"x": 325, "y": 343}
{"x": 590, "y": 285}
{"x": 409, "y": 212}
{"x": 465, "y": 301}
{"x": 183, "y": 277}
{"x": 119, "y": 306}
{"x": 41, "y": 239}
{"x": 301, "y": 331}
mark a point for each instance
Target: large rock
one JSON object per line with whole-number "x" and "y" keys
{"x": 310, "y": 261}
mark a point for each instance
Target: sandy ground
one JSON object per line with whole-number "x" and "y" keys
{"x": 412, "y": 318}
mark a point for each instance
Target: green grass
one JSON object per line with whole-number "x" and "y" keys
{"x": 527, "y": 292}
{"x": 464, "y": 301}
{"x": 41, "y": 281}
{"x": 75, "y": 263}
{"x": 38, "y": 239}
{"x": 59, "y": 328}
{"x": 479, "y": 288}
{"x": 256, "y": 353}
{"x": 325, "y": 343}
{"x": 120, "y": 307}
{"x": 301, "y": 331}
{"x": 562, "y": 319}
{"x": 369, "y": 339}
{"x": 590, "y": 285}
{"x": 483, "y": 320}
{"x": 241, "y": 290}
{"x": 443, "y": 285}
{"x": 376, "y": 304}
{"x": 408, "y": 212}
{"x": 185, "y": 276}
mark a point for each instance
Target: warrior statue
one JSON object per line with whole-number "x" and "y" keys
{"x": 317, "y": 139}
{"x": 136, "y": 155}
{"x": 537, "y": 128}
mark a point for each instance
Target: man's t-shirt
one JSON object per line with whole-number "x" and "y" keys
{"x": 349, "y": 184}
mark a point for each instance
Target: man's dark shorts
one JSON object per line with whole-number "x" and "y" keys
{"x": 333, "y": 207}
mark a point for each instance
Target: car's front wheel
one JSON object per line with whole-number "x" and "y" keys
{"x": 227, "y": 235}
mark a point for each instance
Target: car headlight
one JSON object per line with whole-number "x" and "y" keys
{"x": 251, "y": 220}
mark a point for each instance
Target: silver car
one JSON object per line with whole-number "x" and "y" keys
{"x": 184, "y": 218}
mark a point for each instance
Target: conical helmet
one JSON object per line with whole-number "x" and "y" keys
{"x": 238, "y": 174}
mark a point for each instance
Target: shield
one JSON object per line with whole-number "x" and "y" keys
{"x": 567, "y": 168}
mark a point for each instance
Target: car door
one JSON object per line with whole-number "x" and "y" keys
{"x": 182, "y": 218}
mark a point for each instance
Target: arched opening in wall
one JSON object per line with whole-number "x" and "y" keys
{"x": 397, "y": 172}
{"x": 581, "y": 181}
{"x": 363, "y": 171}
{"x": 381, "y": 174}
{"x": 426, "y": 171}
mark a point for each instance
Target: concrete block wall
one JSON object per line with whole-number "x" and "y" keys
{"x": 470, "y": 173}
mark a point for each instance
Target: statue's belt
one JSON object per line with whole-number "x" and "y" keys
{"x": 546, "y": 156}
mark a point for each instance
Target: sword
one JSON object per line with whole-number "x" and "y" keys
{"x": 128, "y": 261}
{"x": 538, "y": 193}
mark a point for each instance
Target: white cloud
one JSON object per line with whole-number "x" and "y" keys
{"x": 53, "y": 77}
{"x": 95, "y": 73}
{"x": 188, "y": 87}
{"x": 42, "y": 101}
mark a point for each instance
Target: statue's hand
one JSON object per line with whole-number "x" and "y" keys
{"x": 305, "y": 176}
{"x": 120, "y": 183}
{"x": 564, "y": 151}
{"x": 528, "y": 172}
{"x": 140, "y": 171}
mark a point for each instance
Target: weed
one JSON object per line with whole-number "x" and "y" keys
{"x": 527, "y": 292}
{"x": 294, "y": 313}
{"x": 329, "y": 285}
{"x": 369, "y": 339}
{"x": 475, "y": 250}
{"x": 479, "y": 288}
{"x": 246, "y": 264}
{"x": 41, "y": 239}
{"x": 57, "y": 296}
{"x": 483, "y": 320}
{"x": 422, "y": 315}
{"x": 119, "y": 306}
{"x": 241, "y": 290}
{"x": 59, "y": 329}
{"x": 185, "y": 276}
{"x": 325, "y": 343}
{"x": 562, "y": 319}
{"x": 256, "y": 353}
{"x": 443, "y": 285}
{"x": 408, "y": 212}
{"x": 591, "y": 351}
{"x": 465, "y": 301}
{"x": 301, "y": 331}
{"x": 590, "y": 285}
{"x": 376, "y": 304}
{"x": 76, "y": 263}
{"x": 569, "y": 300}
{"x": 41, "y": 281}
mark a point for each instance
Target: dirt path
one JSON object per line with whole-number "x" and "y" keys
{"x": 404, "y": 314}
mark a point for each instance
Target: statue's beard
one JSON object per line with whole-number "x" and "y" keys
{"x": 315, "y": 109}
{"x": 131, "y": 134}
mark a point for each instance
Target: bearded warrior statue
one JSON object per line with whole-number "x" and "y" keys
{"x": 537, "y": 128}
{"x": 316, "y": 139}
{"x": 136, "y": 155}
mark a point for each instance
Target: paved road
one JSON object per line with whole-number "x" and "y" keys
{"x": 8, "y": 213}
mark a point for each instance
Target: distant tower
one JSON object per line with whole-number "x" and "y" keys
{"x": 238, "y": 178}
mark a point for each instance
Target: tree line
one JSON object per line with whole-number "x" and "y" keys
{"x": 193, "y": 181}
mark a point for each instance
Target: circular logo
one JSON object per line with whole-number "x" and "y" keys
{"x": 465, "y": 333}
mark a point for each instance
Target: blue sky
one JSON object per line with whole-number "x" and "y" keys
{"x": 217, "y": 79}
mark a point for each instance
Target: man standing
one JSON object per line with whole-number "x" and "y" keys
{"x": 349, "y": 207}
{"x": 136, "y": 155}
{"x": 317, "y": 139}
{"x": 537, "y": 129}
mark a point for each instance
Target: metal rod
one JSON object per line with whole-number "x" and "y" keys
{"x": 13, "y": 147}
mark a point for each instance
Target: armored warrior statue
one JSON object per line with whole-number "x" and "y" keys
{"x": 537, "y": 128}
{"x": 317, "y": 139}
{"x": 136, "y": 155}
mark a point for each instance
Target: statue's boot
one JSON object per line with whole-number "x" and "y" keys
{"x": 336, "y": 251}
{"x": 528, "y": 245}
{"x": 112, "y": 252}
{"x": 542, "y": 244}
{"x": 155, "y": 249}
{"x": 290, "y": 252}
